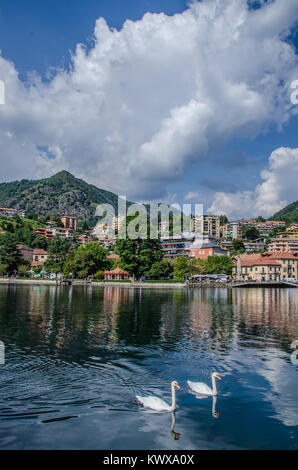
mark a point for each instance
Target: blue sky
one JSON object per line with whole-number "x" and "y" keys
{"x": 50, "y": 29}
{"x": 204, "y": 159}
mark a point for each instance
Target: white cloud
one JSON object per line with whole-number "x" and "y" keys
{"x": 278, "y": 189}
{"x": 147, "y": 100}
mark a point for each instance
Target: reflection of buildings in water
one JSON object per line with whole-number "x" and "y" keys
{"x": 173, "y": 308}
{"x": 276, "y": 308}
{"x": 113, "y": 297}
{"x": 210, "y": 314}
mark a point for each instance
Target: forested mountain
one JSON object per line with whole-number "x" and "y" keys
{"x": 61, "y": 194}
{"x": 289, "y": 214}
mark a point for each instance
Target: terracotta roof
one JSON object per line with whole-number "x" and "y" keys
{"x": 283, "y": 255}
{"x": 20, "y": 247}
{"x": 116, "y": 271}
{"x": 258, "y": 262}
{"x": 113, "y": 256}
{"x": 39, "y": 251}
{"x": 36, "y": 264}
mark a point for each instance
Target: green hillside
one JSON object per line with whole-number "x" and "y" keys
{"x": 61, "y": 194}
{"x": 289, "y": 214}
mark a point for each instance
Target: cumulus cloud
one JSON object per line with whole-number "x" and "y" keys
{"x": 143, "y": 102}
{"x": 278, "y": 189}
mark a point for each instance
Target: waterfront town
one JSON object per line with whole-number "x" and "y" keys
{"x": 255, "y": 250}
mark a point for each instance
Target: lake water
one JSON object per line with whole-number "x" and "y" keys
{"x": 76, "y": 357}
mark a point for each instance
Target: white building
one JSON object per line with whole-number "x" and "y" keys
{"x": 206, "y": 225}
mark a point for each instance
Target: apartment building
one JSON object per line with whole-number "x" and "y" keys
{"x": 63, "y": 232}
{"x": 288, "y": 262}
{"x": 172, "y": 248}
{"x": 283, "y": 245}
{"x": 8, "y": 213}
{"x": 83, "y": 239}
{"x": 45, "y": 233}
{"x": 254, "y": 246}
{"x": 232, "y": 231}
{"x": 50, "y": 233}
{"x": 70, "y": 222}
{"x": 204, "y": 247}
{"x": 206, "y": 225}
{"x": 117, "y": 222}
{"x": 261, "y": 267}
{"x": 290, "y": 232}
{"x": 258, "y": 270}
{"x": 265, "y": 228}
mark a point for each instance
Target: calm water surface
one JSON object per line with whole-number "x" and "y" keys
{"x": 76, "y": 357}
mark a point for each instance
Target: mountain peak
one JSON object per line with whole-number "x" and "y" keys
{"x": 63, "y": 174}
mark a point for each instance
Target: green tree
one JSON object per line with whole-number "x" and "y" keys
{"x": 160, "y": 269}
{"x": 9, "y": 254}
{"x": 138, "y": 256}
{"x": 86, "y": 260}
{"x": 223, "y": 219}
{"x": 196, "y": 266}
{"x": 85, "y": 226}
{"x": 57, "y": 249}
{"x": 22, "y": 270}
{"x": 250, "y": 233}
{"x": 181, "y": 268}
{"x": 238, "y": 246}
{"x": 219, "y": 265}
{"x": 3, "y": 269}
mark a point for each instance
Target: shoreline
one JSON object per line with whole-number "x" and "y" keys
{"x": 129, "y": 285}
{"x": 52, "y": 282}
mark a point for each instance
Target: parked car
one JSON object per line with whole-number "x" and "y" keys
{"x": 290, "y": 279}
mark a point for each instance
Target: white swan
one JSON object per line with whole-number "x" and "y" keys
{"x": 203, "y": 389}
{"x": 155, "y": 403}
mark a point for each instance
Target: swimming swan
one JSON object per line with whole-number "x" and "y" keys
{"x": 155, "y": 403}
{"x": 203, "y": 389}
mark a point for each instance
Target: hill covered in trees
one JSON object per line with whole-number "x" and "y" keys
{"x": 61, "y": 194}
{"x": 289, "y": 214}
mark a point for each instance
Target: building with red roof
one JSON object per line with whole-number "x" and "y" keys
{"x": 267, "y": 266}
{"x": 116, "y": 275}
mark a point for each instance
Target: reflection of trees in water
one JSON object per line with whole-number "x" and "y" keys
{"x": 62, "y": 318}
{"x": 145, "y": 320}
{"x": 212, "y": 317}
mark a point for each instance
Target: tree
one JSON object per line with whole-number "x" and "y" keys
{"x": 57, "y": 220}
{"x": 160, "y": 269}
{"x": 9, "y": 254}
{"x": 196, "y": 266}
{"x": 58, "y": 249}
{"x": 250, "y": 233}
{"x": 138, "y": 255}
{"x": 85, "y": 226}
{"x": 260, "y": 219}
{"x": 86, "y": 260}
{"x": 3, "y": 269}
{"x": 223, "y": 219}
{"x": 180, "y": 268}
{"x": 22, "y": 269}
{"x": 219, "y": 265}
{"x": 238, "y": 246}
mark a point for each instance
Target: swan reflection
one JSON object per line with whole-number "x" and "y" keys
{"x": 175, "y": 435}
